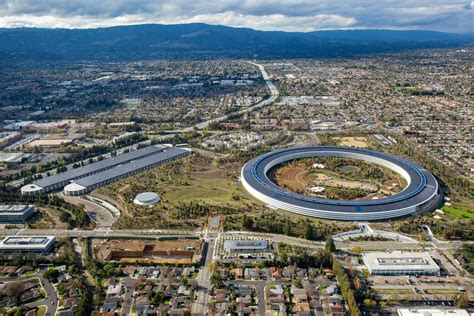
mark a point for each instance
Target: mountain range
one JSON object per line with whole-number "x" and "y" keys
{"x": 203, "y": 41}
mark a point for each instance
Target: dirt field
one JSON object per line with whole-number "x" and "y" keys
{"x": 360, "y": 142}
{"x": 168, "y": 251}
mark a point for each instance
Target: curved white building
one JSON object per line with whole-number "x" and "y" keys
{"x": 146, "y": 198}
{"x": 421, "y": 194}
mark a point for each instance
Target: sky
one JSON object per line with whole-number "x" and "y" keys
{"x": 269, "y": 15}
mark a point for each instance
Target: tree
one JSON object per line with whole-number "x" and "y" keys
{"x": 298, "y": 283}
{"x": 461, "y": 301}
{"x": 19, "y": 311}
{"x": 14, "y": 289}
{"x": 357, "y": 283}
{"x": 51, "y": 274}
{"x": 357, "y": 250}
{"x": 247, "y": 222}
{"x": 216, "y": 280}
{"x": 329, "y": 246}
{"x": 308, "y": 231}
{"x": 370, "y": 304}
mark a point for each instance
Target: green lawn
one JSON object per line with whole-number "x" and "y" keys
{"x": 31, "y": 272}
{"x": 209, "y": 191}
{"x": 42, "y": 310}
{"x": 461, "y": 211}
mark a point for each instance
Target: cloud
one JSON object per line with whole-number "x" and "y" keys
{"x": 295, "y": 15}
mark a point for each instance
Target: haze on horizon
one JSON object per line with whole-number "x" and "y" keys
{"x": 455, "y": 16}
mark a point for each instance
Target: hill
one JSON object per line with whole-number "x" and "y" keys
{"x": 202, "y": 41}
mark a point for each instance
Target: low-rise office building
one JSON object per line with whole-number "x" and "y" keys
{"x": 400, "y": 263}
{"x": 414, "y": 311}
{"x": 245, "y": 245}
{"x": 246, "y": 250}
{"x": 39, "y": 244}
{"x": 60, "y": 180}
{"x": 94, "y": 181}
{"x": 16, "y": 213}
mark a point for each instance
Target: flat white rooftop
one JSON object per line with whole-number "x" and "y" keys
{"x": 245, "y": 244}
{"x": 14, "y": 209}
{"x": 396, "y": 260}
{"x": 431, "y": 312}
{"x": 25, "y": 243}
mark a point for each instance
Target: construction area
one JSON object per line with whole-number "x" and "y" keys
{"x": 181, "y": 251}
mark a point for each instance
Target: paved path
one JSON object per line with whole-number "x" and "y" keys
{"x": 98, "y": 213}
{"x": 365, "y": 231}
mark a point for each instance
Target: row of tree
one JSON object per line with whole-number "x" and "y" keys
{"x": 346, "y": 289}
{"x": 270, "y": 222}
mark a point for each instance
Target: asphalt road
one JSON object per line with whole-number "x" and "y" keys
{"x": 51, "y": 300}
{"x": 151, "y": 233}
{"x": 203, "y": 279}
{"x": 97, "y": 213}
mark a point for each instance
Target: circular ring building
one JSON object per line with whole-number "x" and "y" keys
{"x": 421, "y": 194}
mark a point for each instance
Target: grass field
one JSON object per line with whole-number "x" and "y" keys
{"x": 209, "y": 191}
{"x": 42, "y": 310}
{"x": 460, "y": 211}
{"x": 196, "y": 179}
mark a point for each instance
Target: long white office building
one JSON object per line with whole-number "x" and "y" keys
{"x": 16, "y": 213}
{"x": 400, "y": 263}
{"x": 414, "y": 311}
{"x": 41, "y": 244}
{"x": 60, "y": 180}
{"x": 94, "y": 181}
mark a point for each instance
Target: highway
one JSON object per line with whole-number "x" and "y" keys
{"x": 272, "y": 89}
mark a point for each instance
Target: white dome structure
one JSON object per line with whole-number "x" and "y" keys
{"x": 146, "y": 198}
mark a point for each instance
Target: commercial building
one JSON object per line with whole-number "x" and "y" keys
{"x": 40, "y": 244}
{"x": 13, "y": 158}
{"x": 422, "y": 193}
{"x": 96, "y": 180}
{"x": 245, "y": 245}
{"x": 400, "y": 263}
{"x": 175, "y": 251}
{"x": 245, "y": 250}
{"x": 15, "y": 126}
{"x": 414, "y": 311}
{"x": 60, "y": 180}
{"x": 7, "y": 138}
{"x": 16, "y": 213}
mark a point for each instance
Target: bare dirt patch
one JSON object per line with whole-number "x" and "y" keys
{"x": 360, "y": 142}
